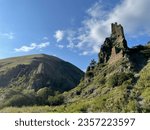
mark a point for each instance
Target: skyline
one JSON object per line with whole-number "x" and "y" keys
{"x": 70, "y": 30}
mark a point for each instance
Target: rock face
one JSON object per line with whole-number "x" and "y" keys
{"x": 37, "y": 71}
{"x": 114, "y": 46}
{"x": 113, "y": 50}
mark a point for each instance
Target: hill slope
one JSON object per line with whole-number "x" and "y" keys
{"x": 29, "y": 80}
{"x": 37, "y": 71}
{"x": 119, "y": 82}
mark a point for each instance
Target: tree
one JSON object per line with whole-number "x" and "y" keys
{"x": 93, "y": 63}
{"x": 55, "y": 100}
{"x": 42, "y": 95}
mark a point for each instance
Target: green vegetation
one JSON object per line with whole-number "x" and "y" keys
{"x": 55, "y": 100}
{"x": 38, "y": 71}
{"x": 116, "y": 92}
{"x": 118, "y": 79}
{"x": 123, "y": 86}
{"x": 36, "y": 80}
{"x": 42, "y": 95}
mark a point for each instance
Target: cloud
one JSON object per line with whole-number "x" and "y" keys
{"x": 84, "y": 53}
{"x": 95, "y": 27}
{"x": 45, "y": 38}
{"x": 32, "y": 46}
{"x": 59, "y": 35}
{"x": 60, "y": 46}
{"x": 9, "y": 36}
{"x": 42, "y": 45}
{"x": 133, "y": 16}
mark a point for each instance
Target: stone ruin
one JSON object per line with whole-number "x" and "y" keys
{"x": 114, "y": 46}
{"x": 113, "y": 49}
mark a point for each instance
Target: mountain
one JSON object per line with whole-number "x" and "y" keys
{"x": 118, "y": 82}
{"x": 24, "y": 80}
{"x": 37, "y": 71}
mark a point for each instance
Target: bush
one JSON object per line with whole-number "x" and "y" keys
{"x": 44, "y": 92}
{"x": 118, "y": 79}
{"x": 131, "y": 106}
{"x": 9, "y": 93}
{"x": 55, "y": 100}
{"x": 112, "y": 81}
{"x": 20, "y": 100}
{"x": 42, "y": 95}
{"x": 102, "y": 80}
{"x": 89, "y": 74}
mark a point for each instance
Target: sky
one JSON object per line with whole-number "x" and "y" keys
{"x": 72, "y": 30}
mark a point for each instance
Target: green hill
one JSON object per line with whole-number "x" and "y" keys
{"x": 23, "y": 78}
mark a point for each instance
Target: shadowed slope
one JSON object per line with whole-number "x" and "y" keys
{"x": 37, "y": 71}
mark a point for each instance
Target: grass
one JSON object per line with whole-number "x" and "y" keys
{"x": 33, "y": 109}
{"x": 109, "y": 91}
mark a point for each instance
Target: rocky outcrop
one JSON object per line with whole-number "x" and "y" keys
{"x": 114, "y": 46}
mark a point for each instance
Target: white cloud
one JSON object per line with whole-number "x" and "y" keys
{"x": 59, "y": 35}
{"x": 32, "y": 46}
{"x": 84, "y": 53}
{"x": 45, "y": 38}
{"x": 70, "y": 38}
{"x": 42, "y": 45}
{"x": 60, "y": 46}
{"x": 132, "y": 15}
{"x": 9, "y": 36}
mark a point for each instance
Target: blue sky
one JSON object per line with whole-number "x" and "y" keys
{"x": 72, "y": 30}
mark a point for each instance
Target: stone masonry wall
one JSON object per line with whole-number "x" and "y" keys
{"x": 115, "y": 56}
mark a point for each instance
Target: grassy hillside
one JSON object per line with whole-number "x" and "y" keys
{"x": 35, "y": 80}
{"x": 110, "y": 90}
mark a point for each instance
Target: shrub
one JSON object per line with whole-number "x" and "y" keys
{"x": 9, "y": 93}
{"x": 42, "y": 95}
{"x": 20, "y": 100}
{"x": 131, "y": 106}
{"x": 102, "y": 80}
{"x": 89, "y": 74}
{"x": 118, "y": 79}
{"x": 123, "y": 77}
{"x": 146, "y": 106}
{"x": 55, "y": 100}
{"x": 44, "y": 92}
{"x": 112, "y": 81}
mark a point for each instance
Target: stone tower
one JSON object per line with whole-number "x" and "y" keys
{"x": 114, "y": 46}
{"x": 117, "y": 30}
{"x": 117, "y": 36}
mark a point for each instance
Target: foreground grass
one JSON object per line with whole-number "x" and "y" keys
{"x": 29, "y": 109}
{"x": 76, "y": 107}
